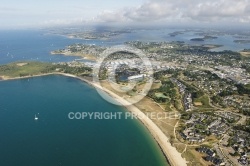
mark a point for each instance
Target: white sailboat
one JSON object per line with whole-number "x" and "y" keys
{"x": 36, "y": 118}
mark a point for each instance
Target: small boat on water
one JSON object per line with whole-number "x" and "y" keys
{"x": 36, "y": 118}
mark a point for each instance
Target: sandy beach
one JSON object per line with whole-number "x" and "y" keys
{"x": 173, "y": 156}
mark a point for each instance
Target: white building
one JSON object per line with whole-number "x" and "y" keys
{"x": 136, "y": 77}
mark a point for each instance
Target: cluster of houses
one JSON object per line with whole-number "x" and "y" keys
{"x": 217, "y": 127}
{"x": 235, "y": 74}
{"x": 201, "y": 125}
{"x": 82, "y": 49}
{"x": 209, "y": 83}
{"x": 240, "y": 143}
{"x": 181, "y": 54}
{"x": 112, "y": 65}
{"x": 85, "y": 49}
{"x": 191, "y": 136}
{"x": 210, "y": 155}
{"x": 243, "y": 160}
{"x": 187, "y": 96}
{"x": 231, "y": 117}
{"x": 75, "y": 64}
{"x": 190, "y": 133}
{"x": 72, "y": 64}
{"x": 187, "y": 101}
{"x": 241, "y": 103}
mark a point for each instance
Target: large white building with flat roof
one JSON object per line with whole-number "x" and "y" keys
{"x": 136, "y": 77}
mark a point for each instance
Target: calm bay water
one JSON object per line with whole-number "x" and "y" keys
{"x": 55, "y": 140}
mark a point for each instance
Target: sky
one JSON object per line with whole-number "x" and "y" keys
{"x": 49, "y": 13}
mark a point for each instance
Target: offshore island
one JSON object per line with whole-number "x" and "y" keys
{"x": 208, "y": 91}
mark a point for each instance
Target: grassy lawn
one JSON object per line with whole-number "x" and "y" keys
{"x": 159, "y": 94}
{"x": 156, "y": 85}
{"x": 192, "y": 155}
{"x": 245, "y": 53}
{"x": 247, "y": 86}
{"x": 19, "y": 69}
{"x": 204, "y": 100}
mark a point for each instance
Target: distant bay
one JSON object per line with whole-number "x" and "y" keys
{"x": 36, "y": 45}
{"x": 54, "y": 139}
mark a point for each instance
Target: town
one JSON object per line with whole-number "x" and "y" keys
{"x": 211, "y": 89}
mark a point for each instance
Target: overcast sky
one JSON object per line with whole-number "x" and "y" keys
{"x": 31, "y": 13}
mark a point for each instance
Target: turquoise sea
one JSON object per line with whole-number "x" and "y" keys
{"x": 55, "y": 140}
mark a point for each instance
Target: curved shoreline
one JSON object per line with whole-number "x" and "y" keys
{"x": 173, "y": 156}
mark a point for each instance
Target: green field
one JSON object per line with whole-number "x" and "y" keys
{"x": 204, "y": 100}
{"x": 160, "y": 95}
{"x": 247, "y": 86}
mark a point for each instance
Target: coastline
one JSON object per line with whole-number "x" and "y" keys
{"x": 173, "y": 156}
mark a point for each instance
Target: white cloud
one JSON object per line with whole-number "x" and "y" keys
{"x": 110, "y": 16}
{"x": 152, "y": 10}
{"x": 218, "y": 10}
{"x": 58, "y": 22}
{"x": 194, "y": 10}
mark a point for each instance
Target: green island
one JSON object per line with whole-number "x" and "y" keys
{"x": 173, "y": 34}
{"x": 88, "y": 34}
{"x": 204, "y": 38}
{"x": 242, "y": 41}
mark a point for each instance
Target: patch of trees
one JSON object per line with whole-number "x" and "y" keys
{"x": 197, "y": 94}
{"x": 198, "y": 76}
{"x": 74, "y": 70}
{"x": 245, "y": 128}
{"x": 186, "y": 116}
{"x": 49, "y": 69}
{"x": 231, "y": 54}
{"x": 23, "y": 74}
{"x": 158, "y": 75}
{"x": 245, "y": 112}
{"x": 246, "y": 67}
{"x": 242, "y": 89}
{"x": 5, "y": 68}
{"x": 226, "y": 93}
{"x": 167, "y": 89}
{"x": 217, "y": 99}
